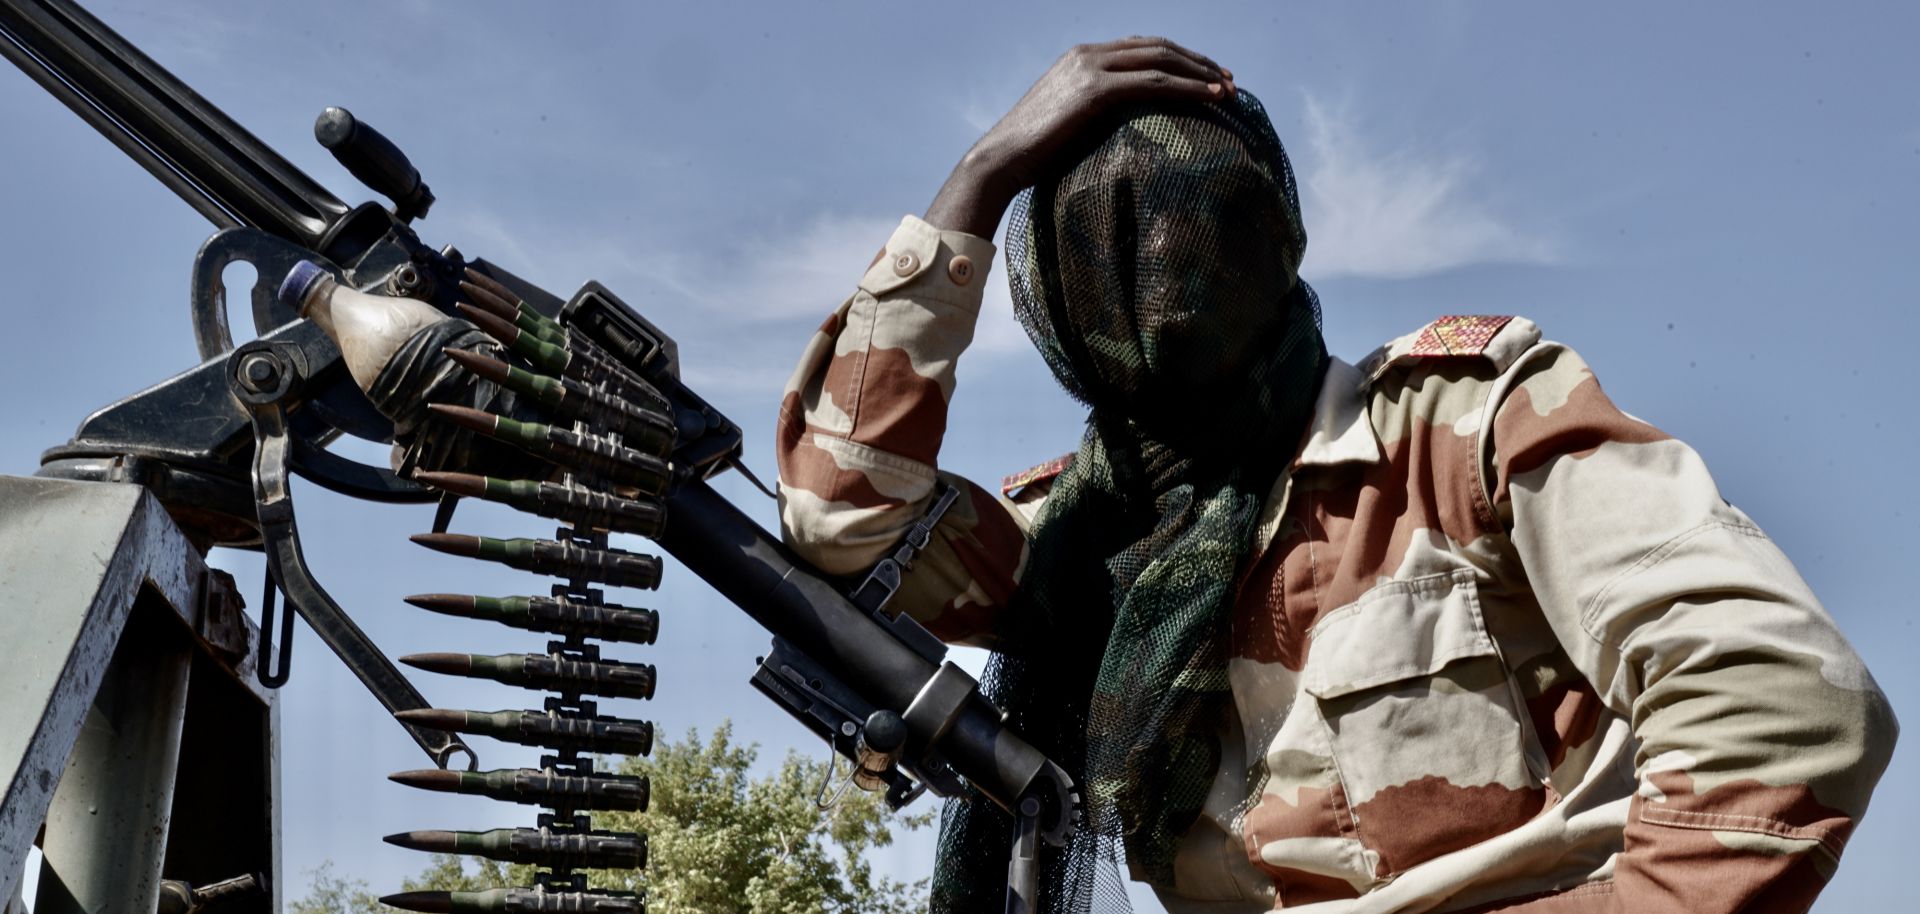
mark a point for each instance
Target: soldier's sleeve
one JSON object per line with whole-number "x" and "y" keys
{"x": 861, "y": 422}
{"x": 1760, "y": 732}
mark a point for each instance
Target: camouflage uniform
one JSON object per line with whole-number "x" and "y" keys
{"x": 1506, "y": 648}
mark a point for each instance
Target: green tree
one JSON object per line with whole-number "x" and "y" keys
{"x": 720, "y": 841}
{"x": 330, "y": 893}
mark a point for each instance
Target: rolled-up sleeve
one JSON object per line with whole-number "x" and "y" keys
{"x": 861, "y": 424}
{"x": 1760, "y": 732}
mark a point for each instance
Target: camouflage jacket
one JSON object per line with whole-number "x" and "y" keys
{"x": 1505, "y": 647}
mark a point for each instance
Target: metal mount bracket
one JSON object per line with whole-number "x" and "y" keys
{"x": 263, "y": 376}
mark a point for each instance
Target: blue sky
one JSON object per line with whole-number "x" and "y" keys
{"x": 1712, "y": 202}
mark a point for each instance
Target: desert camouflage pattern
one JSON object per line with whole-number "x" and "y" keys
{"x": 1506, "y": 649}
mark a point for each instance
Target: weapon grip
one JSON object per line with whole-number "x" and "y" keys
{"x": 373, "y": 158}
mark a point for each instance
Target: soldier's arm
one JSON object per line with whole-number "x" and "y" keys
{"x": 1760, "y": 732}
{"x": 861, "y": 423}
{"x": 863, "y": 417}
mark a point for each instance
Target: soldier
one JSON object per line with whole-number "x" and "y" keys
{"x": 1442, "y": 630}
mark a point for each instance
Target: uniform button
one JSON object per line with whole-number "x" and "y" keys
{"x": 960, "y": 269}
{"x": 905, "y": 264}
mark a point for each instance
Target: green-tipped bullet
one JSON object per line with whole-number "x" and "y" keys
{"x": 595, "y": 849}
{"x": 589, "y": 454}
{"x": 643, "y": 425}
{"x": 548, "y": 674}
{"x": 535, "y": 728}
{"x": 519, "y": 313}
{"x": 546, "y": 356}
{"x": 575, "y": 357}
{"x": 535, "y": 787}
{"x": 501, "y": 293}
{"x": 617, "y": 567}
{"x": 574, "y": 504}
{"x": 517, "y": 901}
{"x": 556, "y": 615}
{"x": 548, "y": 392}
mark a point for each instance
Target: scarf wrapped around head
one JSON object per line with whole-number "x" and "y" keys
{"x": 1159, "y": 278}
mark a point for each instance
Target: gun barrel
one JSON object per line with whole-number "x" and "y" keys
{"x": 220, "y": 169}
{"x": 718, "y": 542}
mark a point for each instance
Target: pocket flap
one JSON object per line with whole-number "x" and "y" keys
{"x": 1398, "y": 630}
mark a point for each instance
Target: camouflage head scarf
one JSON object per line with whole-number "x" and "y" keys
{"x": 1158, "y": 277}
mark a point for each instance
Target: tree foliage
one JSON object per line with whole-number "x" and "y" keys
{"x": 720, "y": 841}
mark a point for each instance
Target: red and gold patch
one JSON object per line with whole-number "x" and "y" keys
{"x": 1458, "y": 334}
{"x": 1031, "y": 475}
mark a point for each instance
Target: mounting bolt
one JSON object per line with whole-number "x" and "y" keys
{"x": 260, "y": 372}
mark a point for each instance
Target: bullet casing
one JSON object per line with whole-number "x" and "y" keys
{"x": 531, "y": 322}
{"x": 488, "y": 293}
{"x": 535, "y": 728}
{"x": 554, "y": 615}
{"x": 594, "y": 849}
{"x": 579, "y": 505}
{"x": 622, "y": 792}
{"x": 590, "y": 454}
{"x": 518, "y": 901}
{"x": 646, "y": 428}
{"x": 617, "y": 567}
{"x": 611, "y": 678}
{"x": 574, "y": 357}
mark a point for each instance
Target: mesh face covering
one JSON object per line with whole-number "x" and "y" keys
{"x": 1158, "y": 277}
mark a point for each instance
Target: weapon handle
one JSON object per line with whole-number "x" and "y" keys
{"x": 373, "y": 158}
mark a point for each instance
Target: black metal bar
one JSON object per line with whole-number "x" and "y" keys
{"x": 748, "y": 566}
{"x": 280, "y": 372}
{"x": 221, "y": 170}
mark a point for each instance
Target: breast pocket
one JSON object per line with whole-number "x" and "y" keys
{"x": 1425, "y": 724}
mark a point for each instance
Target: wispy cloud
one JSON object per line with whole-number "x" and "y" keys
{"x": 804, "y": 274}
{"x": 1394, "y": 213}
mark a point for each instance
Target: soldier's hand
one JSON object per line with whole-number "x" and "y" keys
{"x": 1082, "y": 85}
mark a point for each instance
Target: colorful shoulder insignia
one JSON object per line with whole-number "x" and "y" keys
{"x": 1500, "y": 338}
{"x": 1458, "y": 334}
{"x": 1042, "y": 473}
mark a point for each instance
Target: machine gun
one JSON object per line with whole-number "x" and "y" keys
{"x": 217, "y": 443}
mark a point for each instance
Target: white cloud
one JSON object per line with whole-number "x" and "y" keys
{"x": 1397, "y": 213}
{"x": 803, "y": 274}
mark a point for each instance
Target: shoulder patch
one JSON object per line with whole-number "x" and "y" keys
{"x": 1498, "y": 338}
{"x": 1458, "y": 334}
{"x": 1042, "y": 473}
